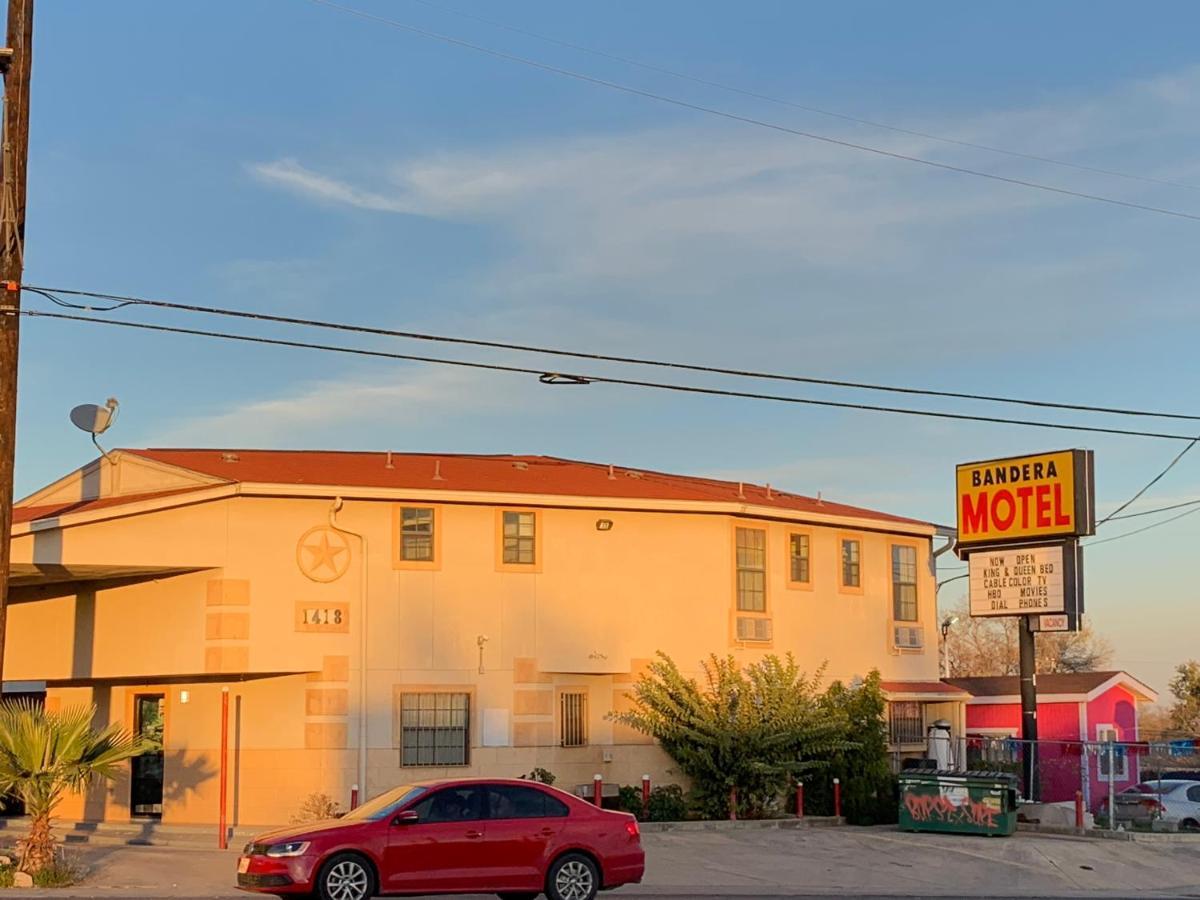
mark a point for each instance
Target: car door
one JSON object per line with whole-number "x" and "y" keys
{"x": 523, "y": 828}
{"x": 443, "y": 849}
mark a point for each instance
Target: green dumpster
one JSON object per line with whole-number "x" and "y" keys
{"x": 958, "y": 802}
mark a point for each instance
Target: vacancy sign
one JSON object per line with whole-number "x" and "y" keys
{"x": 1025, "y": 498}
{"x": 1030, "y": 580}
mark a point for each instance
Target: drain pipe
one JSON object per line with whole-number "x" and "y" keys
{"x": 362, "y": 645}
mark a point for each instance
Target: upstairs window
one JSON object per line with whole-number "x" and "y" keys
{"x": 520, "y": 538}
{"x": 851, "y": 563}
{"x": 798, "y": 551}
{"x": 904, "y": 584}
{"x": 416, "y": 534}
{"x": 751, "y": 570}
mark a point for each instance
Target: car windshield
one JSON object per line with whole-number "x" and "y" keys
{"x": 385, "y": 804}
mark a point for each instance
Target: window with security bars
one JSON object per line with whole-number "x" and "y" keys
{"x": 416, "y": 534}
{"x": 906, "y": 722}
{"x": 851, "y": 563}
{"x": 435, "y": 729}
{"x": 751, "y": 570}
{"x": 520, "y": 538}
{"x": 573, "y": 719}
{"x": 904, "y": 584}
{"x": 799, "y": 555}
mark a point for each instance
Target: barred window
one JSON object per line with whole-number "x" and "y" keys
{"x": 799, "y": 555}
{"x": 573, "y": 719}
{"x": 435, "y": 729}
{"x": 751, "y": 570}
{"x": 904, "y": 584}
{"x": 851, "y": 563}
{"x": 906, "y": 722}
{"x": 416, "y": 534}
{"x": 520, "y": 538}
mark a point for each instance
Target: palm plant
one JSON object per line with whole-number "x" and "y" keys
{"x": 44, "y": 755}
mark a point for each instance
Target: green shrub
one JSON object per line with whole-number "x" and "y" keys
{"x": 316, "y": 807}
{"x": 630, "y": 800}
{"x": 667, "y": 804}
{"x": 62, "y": 872}
{"x": 544, "y": 776}
{"x": 6, "y": 876}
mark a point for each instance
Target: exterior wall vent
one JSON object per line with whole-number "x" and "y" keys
{"x": 908, "y": 638}
{"x": 751, "y": 628}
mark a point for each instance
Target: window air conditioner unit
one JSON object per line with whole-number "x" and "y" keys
{"x": 753, "y": 629}
{"x": 909, "y": 638}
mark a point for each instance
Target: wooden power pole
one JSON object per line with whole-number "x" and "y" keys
{"x": 16, "y": 63}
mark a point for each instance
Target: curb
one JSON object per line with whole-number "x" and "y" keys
{"x": 1143, "y": 837}
{"x": 742, "y": 824}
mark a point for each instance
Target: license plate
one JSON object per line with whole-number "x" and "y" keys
{"x": 243, "y": 865}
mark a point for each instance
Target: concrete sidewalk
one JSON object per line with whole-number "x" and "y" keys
{"x": 762, "y": 863}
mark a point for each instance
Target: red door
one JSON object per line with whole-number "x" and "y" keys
{"x": 522, "y": 832}
{"x": 444, "y": 849}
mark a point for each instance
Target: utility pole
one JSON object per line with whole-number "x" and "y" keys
{"x": 16, "y": 64}
{"x": 1029, "y": 733}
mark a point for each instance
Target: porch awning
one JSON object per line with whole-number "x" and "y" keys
{"x": 42, "y": 581}
{"x": 929, "y": 691}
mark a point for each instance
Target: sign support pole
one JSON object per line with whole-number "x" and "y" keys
{"x": 1028, "y": 705}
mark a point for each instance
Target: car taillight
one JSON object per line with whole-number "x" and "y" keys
{"x": 631, "y": 827}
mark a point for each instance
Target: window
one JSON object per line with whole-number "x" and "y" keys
{"x": 906, "y": 722}
{"x": 798, "y": 551}
{"x": 434, "y": 729}
{"x": 462, "y": 804}
{"x": 509, "y": 802}
{"x": 851, "y": 563}
{"x": 416, "y": 534}
{"x": 573, "y": 719}
{"x": 520, "y": 538}
{"x": 904, "y": 584}
{"x": 1193, "y": 793}
{"x": 1120, "y": 762}
{"x": 751, "y": 570}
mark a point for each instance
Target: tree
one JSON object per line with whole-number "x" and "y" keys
{"x": 746, "y": 730}
{"x": 988, "y": 646}
{"x": 1185, "y": 686}
{"x": 44, "y": 755}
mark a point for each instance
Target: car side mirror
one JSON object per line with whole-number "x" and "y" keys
{"x": 408, "y": 817}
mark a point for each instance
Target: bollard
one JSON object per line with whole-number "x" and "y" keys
{"x": 799, "y": 799}
{"x": 354, "y": 796}
{"x": 1079, "y": 809}
{"x": 598, "y": 790}
{"x": 733, "y": 804}
{"x": 645, "y": 796}
{"x": 837, "y": 798}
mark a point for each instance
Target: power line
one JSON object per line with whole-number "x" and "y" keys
{"x": 1150, "y": 512}
{"x": 749, "y": 120}
{"x": 563, "y": 378}
{"x": 1117, "y": 537}
{"x": 1153, "y": 481}
{"x": 733, "y": 89}
{"x": 118, "y": 301}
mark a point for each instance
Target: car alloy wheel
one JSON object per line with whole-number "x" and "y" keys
{"x": 346, "y": 878}
{"x": 574, "y": 878}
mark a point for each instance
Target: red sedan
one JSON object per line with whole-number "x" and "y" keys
{"x": 508, "y": 837}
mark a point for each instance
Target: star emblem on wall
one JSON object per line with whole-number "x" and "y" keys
{"x": 323, "y": 554}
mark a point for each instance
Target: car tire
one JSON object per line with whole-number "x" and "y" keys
{"x": 517, "y": 895}
{"x": 572, "y": 876}
{"x": 346, "y": 876}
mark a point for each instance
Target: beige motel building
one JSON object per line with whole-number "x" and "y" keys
{"x": 378, "y": 618}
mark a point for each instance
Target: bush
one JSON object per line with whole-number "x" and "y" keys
{"x": 62, "y": 872}
{"x": 630, "y": 800}
{"x": 667, "y": 804}
{"x": 543, "y": 776}
{"x": 316, "y": 808}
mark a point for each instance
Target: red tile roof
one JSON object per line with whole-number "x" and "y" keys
{"x": 50, "y": 510}
{"x": 487, "y": 473}
{"x": 921, "y": 687}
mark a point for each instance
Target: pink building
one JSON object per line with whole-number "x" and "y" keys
{"x": 1072, "y": 709}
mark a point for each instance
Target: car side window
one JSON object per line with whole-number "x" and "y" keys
{"x": 1193, "y": 793}
{"x": 463, "y": 804}
{"x": 513, "y": 802}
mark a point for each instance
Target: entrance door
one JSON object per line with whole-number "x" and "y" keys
{"x": 146, "y": 792}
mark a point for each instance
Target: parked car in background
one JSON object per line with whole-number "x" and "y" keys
{"x": 1173, "y": 802}
{"x": 513, "y": 838}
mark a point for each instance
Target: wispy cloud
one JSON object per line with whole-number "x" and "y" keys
{"x": 290, "y": 174}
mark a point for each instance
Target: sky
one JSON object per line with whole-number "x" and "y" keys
{"x": 287, "y": 157}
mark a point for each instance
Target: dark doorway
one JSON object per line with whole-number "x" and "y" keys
{"x": 146, "y": 790}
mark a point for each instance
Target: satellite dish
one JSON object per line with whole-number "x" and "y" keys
{"x": 95, "y": 419}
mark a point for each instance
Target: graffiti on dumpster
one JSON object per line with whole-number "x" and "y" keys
{"x": 953, "y": 804}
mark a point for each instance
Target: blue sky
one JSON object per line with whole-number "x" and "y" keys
{"x": 283, "y": 156}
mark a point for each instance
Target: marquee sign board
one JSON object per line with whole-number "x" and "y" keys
{"x": 1025, "y": 499}
{"x": 1043, "y": 581}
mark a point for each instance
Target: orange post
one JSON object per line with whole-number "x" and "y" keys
{"x": 223, "y": 838}
{"x": 1079, "y": 809}
{"x": 837, "y": 798}
{"x": 732, "y": 803}
{"x": 645, "y": 796}
{"x": 799, "y": 799}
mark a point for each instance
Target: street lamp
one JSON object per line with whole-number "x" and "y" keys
{"x": 947, "y": 624}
